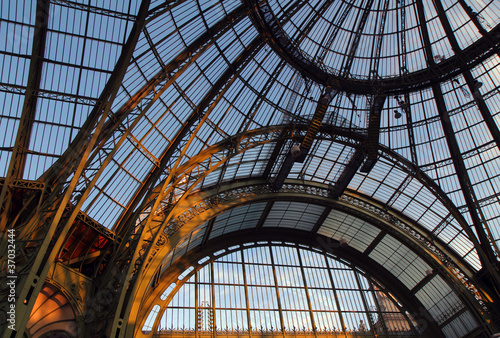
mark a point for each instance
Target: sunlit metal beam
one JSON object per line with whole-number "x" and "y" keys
{"x": 205, "y": 39}
{"x": 52, "y": 218}
{"x": 406, "y": 166}
{"x": 133, "y": 262}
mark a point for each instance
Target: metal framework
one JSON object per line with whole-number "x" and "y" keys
{"x": 283, "y": 258}
{"x": 142, "y": 136}
{"x": 446, "y": 70}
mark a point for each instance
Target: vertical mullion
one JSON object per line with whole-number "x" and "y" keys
{"x": 379, "y": 310}
{"x": 214, "y": 323}
{"x": 336, "y": 295}
{"x": 196, "y": 305}
{"x": 247, "y": 302}
{"x": 277, "y": 291}
{"x": 307, "y": 292}
{"x": 358, "y": 282}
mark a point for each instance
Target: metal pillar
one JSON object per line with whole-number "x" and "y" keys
{"x": 18, "y": 158}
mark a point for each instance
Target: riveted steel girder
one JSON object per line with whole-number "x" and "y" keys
{"x": 218, "y": 148}
{"x": 17, "y": 162}
{"x": 485, "y": 113}
{"x": 484, "y": 249}
{"x": 131, "y": 261}
{"x": 199, "y": 45}
{"x": 483, "y": 108}
{"x": 167, "y": 224}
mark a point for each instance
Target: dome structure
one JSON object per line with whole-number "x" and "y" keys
{"x": 142, "y": 137}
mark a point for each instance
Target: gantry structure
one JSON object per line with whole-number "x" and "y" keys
{"x": 201, "y": 168}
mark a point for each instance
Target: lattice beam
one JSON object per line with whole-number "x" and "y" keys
{"x": 17, "y": 162}
{"x": 373, "y": 133}
{"x": 484, "y": 249}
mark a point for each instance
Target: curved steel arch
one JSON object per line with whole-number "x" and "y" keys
{"x": 49, "y": 221}
{"x": 347, "y": 137}
{"x": 157, "y": 236}
{"x": 269, "y": 134}
{"x": 207, "y": 204}
{"x": 133, "y": 246}
{"x": 285, "y": 236}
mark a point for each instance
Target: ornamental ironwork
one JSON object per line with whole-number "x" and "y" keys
{"x": 227, "y": 198}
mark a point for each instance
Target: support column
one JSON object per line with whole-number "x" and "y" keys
{"x": 18, "y": 158}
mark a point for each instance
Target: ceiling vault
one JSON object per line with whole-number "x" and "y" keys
{"x": 160, "y": 155}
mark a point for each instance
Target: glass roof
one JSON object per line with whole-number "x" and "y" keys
{"x": 219, "y": 91}
{"x": 389, "y": 33}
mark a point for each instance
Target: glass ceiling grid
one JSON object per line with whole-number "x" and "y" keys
{"x": 67, "y": 68}
{"x": 487, "y": 13}
{"x": 114, "y": 188}
{"x": 400, "y": 261}
{"x": 245, "y": 217}
{"x": 461, "y": 24}
{"x": 439, "y": 299}
{"x": 293, "y": 215}
{"x": 329, "y": 160}
{"x": 251, "y": 163}
{"x": 488, "y": 73}
{"x": 211, "y": 11}
{"x": 358, "y": 234}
